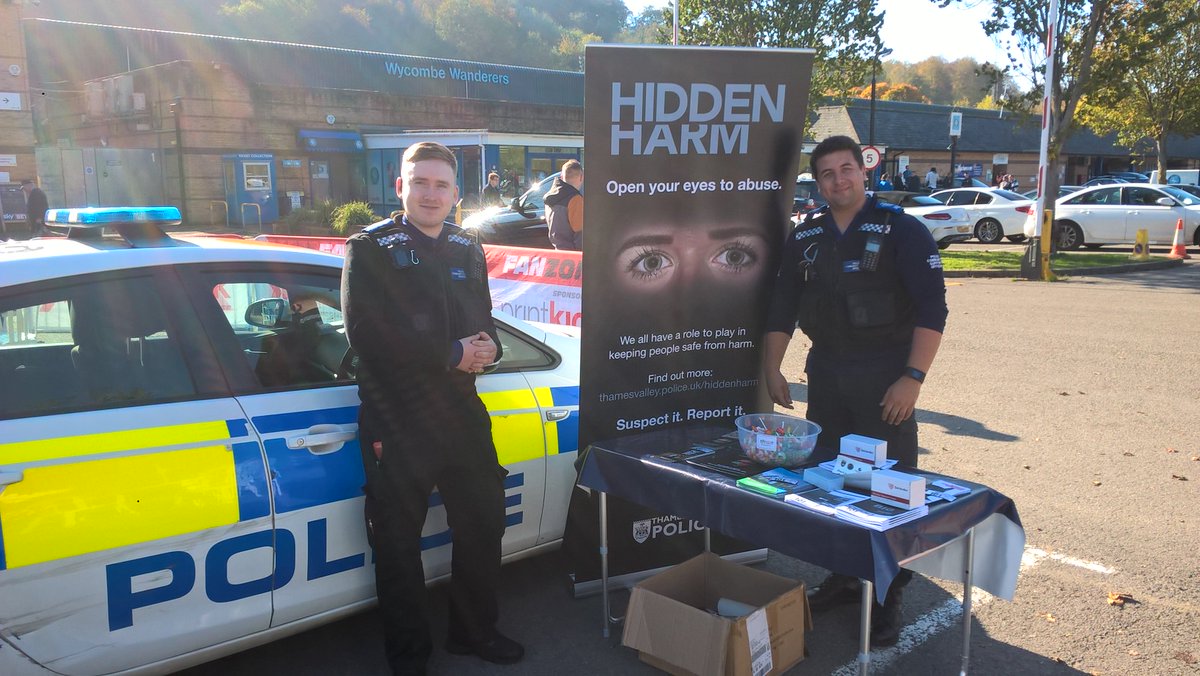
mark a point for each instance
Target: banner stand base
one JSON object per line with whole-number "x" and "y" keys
{"x": 593, "y": 587}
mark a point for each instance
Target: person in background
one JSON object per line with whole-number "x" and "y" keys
{"x": 36, "y": 205}
{"x": 884, "y": 183}
{"x": 417, "y": 311}
{"x": 931, "y": 179}
{"x": 564, "y": 208}
{"x": 491, "y": 196}
{"x": 864, "y": 282}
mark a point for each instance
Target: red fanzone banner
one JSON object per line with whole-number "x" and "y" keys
{"x": 535, "y": 285}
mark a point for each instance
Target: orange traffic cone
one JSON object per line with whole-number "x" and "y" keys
{"x": 1178, "y": 250}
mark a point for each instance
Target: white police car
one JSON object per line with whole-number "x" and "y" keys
{"x": 180, "y": 475}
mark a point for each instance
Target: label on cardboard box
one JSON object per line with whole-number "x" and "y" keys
{"x": 864, "y": 449}
{"x": 759, "y": 635}
{"x": 898, "y": 489}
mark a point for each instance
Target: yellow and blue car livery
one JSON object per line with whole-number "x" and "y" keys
{"x": 143, "y": 539}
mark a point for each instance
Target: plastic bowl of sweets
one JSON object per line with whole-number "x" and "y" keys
{"x": 777, "y": 440}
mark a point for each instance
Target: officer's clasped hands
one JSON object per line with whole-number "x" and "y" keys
{"x": 478, "y": 352}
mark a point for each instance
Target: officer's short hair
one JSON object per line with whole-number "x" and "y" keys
{"x": 834, "y": 144}
{"x": 429, "y": 150}
{"x": 571, "y": 168}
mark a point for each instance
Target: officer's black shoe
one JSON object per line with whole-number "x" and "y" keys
{"x": 500, "y": 649}
{"x": 885, "y": 620}
{"x": 835, "y": 590}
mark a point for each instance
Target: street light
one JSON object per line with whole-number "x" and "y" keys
{"x": 880, "y": 53}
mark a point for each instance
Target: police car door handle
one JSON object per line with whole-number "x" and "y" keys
{"x": 13, "y": 477}
{"x": 556, "y": 414}
{"x": 322, "y": 439}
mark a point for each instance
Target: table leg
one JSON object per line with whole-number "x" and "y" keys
{"x": 968, "y": 564}
{"x": 864, "y": 628}
{"x": 604, "y": 557}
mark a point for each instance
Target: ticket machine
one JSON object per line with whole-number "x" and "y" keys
{"x": 250, "y": 189}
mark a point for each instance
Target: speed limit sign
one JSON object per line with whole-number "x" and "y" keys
{"x": 870, "y": 157}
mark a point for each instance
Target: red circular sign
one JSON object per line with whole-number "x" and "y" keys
{"x": 871, "y": 157}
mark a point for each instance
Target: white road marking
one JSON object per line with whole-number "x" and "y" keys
{"x": 1038, "y": 554}
{"x": 949, "y": 614}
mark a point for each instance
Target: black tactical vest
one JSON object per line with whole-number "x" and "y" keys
{"x": 843, "y": 307}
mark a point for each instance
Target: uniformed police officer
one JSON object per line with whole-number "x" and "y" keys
{"x": 864, "y": 282}
{"x": 418, "y": 313}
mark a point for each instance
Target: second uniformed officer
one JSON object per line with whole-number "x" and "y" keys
{"x": 864, "y": 281}
{"x": 418, "y": 314}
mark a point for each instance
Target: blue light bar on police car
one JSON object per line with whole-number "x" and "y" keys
{"x": 98, "y": 217}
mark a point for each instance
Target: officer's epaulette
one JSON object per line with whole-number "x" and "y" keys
{"x": 386, "y": 233}
{"x": 888, "y": 206}
{"x": 376, "y": 229}
{"x": 816, "y": 213}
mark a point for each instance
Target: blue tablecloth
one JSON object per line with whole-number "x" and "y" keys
{"x": 627, "y": 467}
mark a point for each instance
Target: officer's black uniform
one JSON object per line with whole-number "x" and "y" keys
{"x": 859, "y": 310}
{"x": 407, "y": 300}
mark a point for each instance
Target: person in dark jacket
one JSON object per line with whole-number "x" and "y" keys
{"x": 864, "y": 281}
{"x": 417, "y": 312}
{"x": 564, "y": 208}
{"x": 36, "y": 205}
{"x": 491, "y": 196}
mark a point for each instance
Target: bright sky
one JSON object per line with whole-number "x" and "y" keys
{"x": 918, "y": 29}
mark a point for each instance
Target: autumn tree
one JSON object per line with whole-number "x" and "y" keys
{"x": 1081, "y": 27}
{"x": 650, "y": 27}
{"x": 1148, "y": 93}
{"x": 844, "y": 46}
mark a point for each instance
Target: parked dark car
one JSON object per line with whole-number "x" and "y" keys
{"x": 808, "y": 196}
{"x": 521, "y": 223}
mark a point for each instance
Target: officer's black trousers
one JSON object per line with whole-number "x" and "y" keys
{"x": 471, "y": 486}
{"x": 844, "y": 396}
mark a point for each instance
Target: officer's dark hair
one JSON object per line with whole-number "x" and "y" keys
{"x": 834, "y": 144}
{"x": 428, "y": 150}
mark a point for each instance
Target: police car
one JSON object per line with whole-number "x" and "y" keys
{"x": 180, "y": 476}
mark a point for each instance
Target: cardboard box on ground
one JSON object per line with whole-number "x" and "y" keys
{"x": 668, "y": 620}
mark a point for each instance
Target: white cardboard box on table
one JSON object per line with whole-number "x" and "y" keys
{"x": 864, "y": 449}
{"x": 898, "y": 489}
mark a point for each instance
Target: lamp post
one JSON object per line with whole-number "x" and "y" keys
{"x": 880, "y": 53}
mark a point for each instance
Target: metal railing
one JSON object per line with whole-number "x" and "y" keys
{"x": 258, "y": 211}
{"x": 224, "y": 206}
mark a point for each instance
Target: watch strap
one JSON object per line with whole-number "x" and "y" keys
{"x": 915, "y": 373}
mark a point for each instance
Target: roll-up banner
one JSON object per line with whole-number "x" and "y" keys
{"x": 691, "y": 156}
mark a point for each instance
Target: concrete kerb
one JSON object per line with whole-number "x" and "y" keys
{"x": 1077, "y": 272}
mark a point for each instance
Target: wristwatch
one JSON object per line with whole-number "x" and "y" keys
{"x": 915, "y": 373}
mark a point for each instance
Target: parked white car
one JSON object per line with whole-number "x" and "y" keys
{"x": 1112, "y": 214}
{"x": 947, "y": 224}
{"x": 996, "y": 213}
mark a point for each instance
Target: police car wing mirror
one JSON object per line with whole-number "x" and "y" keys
{"x": 268, "y": 313}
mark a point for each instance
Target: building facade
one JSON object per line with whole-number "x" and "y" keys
{"x": 992, "y": 143}
{"x": 243, "y": 131}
